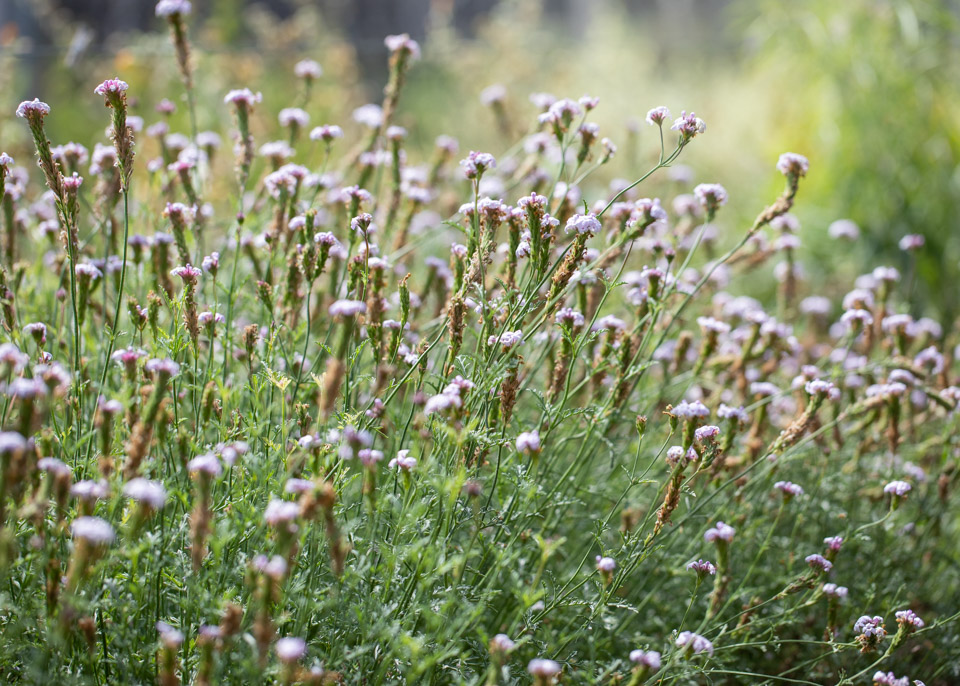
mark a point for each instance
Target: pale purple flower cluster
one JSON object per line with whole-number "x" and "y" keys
{"x": 343, "y": 309}
{"x": 507, "y": 340}
{"x": 834, "y": 591}
{"x": 720, "y": 532}
{"x": 689, "y": 126}
{"x": 33, "y": 107}
{"x": 650, "y": 659}
{"x": 909, "y": 620}
{"x": 542, "y": 668}
{"x": 702, "y": 568}
{"x": 307, "y": 69}
{"x": 450, "y": 398}
{"x": 897, "y": 488}
{"x": 290, "y": 649}
{"x": 833, "y": 543}
{"x": 710, "y": 195}
{"x": 818, "y": 563}
{"x": 93, "y": 530}
{"x": 567, "y": 316}
{"x": 583, "y": 224}
{"x": 206, "y": 465}
{"x": 111, "y": 87}
{"x": 501, "y": 643}
{"x": 169, "y": 8}
{"x": 792, "y": 164}
{"x": 694, "y": 643}
{"x": 870, "y": 627}
{"x": 149, "y": 493}
{"x": 706, "y": 433}
{"x": 606, "y": 565}
{"x": 403, "y": 461}
{"x": 476, "y": 163}
{"x": 528, "y": 442}
{"x": 789, "y": 488}
{"x": 694, "y": 410}
{"x": 889, "y": 679}
{"x": 403, "y": 44}
{"x": 657, "y": 116}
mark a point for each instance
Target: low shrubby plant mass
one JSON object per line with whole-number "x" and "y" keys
{"x": 347, "y": 415}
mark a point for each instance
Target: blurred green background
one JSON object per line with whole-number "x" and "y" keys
{"x": 867, "y": 89}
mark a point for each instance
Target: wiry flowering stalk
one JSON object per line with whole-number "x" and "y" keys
{"x": 203, "y": 469}
{"x": 403, "y": 51}
{"x": 721, "y": 534}
{"x": 141, "y": 436}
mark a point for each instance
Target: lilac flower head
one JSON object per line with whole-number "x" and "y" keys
{"x": 694, "y": 410}
{"x": 54, "y": 467}
{"x": 403, "y": 461}
{"x": 162, "y": 367}
{"x": 149, "y": 493}
{"x": 702, "y": 568}
{"x": 583, "y": 224}
{"x": 789, "y": 489}
{"x": 834, "y": 591}
{"x": 369, "y": 457}
{"x": 897, "y": 489}
{"x": 657, "y": 116}
{"x": 890, "y": 679}
{"x": 170, "y": 8}
{"x": 568, "y": 316}
{"x": 528, "y": 442}
{"x": 649, "y": 659}
{"x": 833, "y": 543}
{"x": 326, "y": 133}
{"x": 243, "y": 97}
{"x": 507, "y": 340}
{"x": 281, "y": 513}
{"x": 734, "y": 414}
{"x": 694, "y": 643}
{"x": 543, "y": 669}
{"x": 476, "y": 163}
{"x": 353, "y": 440}
{"x": 403, "y": 44}
{"x": 307, "y": 69}
{"x": 711, "y": 195}
{"x": 211, "y": 263}
{"x": 170, "y": 637}
{"x": 369, "y": 115}
{"x": 343, "y": 309}
{"x": 606, "y": 564}
{"x": 706, "y": 433}
{"x": 909, "y": 620}
{"x": 818, "y": 563}
{"x": 6, "y": 162}
{"x": 792, "y": 164}
{"x": 293, "y": 116}
{"x": 93, "y": 530}
{"x": 688, "y": 125}
{"x": 188, "y": 273}
{"x": 290, "y": 649}
{"x": 90, "y": 491}
{"x": 720, "y": 532}
{"x": 501, "y": 643}
{"x": 494, "y": 94}
{"x": 111, "y": 87}
{"x": 870, "y": 627}
{"x": 844, "y": 228}
{"x": 206, "y": 464}
{"x": 912, "y": 241}
{"x": 33, "y": 108}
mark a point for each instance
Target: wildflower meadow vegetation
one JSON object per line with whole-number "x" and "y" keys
{"x": 288, "y": 402}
